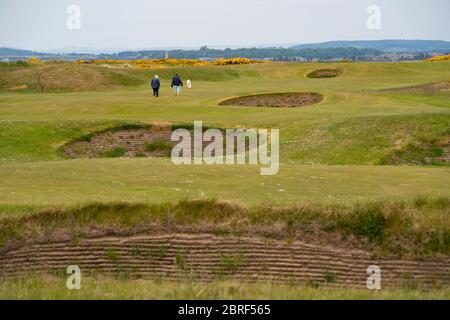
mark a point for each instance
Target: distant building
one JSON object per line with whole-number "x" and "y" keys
{"x": 297, "y": 59}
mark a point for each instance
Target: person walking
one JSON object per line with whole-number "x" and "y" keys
{"x": 155, "y": 86}
{"x": 176, "y": 84}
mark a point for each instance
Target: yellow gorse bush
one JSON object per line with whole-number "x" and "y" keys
{"x": 224, "y": 62}
{"x": 439, "y": 58}
{"x": 147, "y": 63}
{"x": 154, "y": 63}
{"x": 34, "y": 60}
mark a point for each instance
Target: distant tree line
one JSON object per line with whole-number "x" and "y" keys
{"x": 256, "y": 53}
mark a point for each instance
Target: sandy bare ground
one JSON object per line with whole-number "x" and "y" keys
{"x": 132, "y": 141}
{"x": 325, "y": 73}
{"x": 280, "y": 100}
{"x": 206, "y": 257}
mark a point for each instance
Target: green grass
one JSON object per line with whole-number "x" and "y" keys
{"x": 231, "y": 262}
{"x": 156, "y": 180}
{"x": 51, "y": 287}
{"x": 158, "y": 144}
{"x": 353, "y": 125}
{"x": 112, "y": 255}
{"x": 373, "y": 140}
{"x": 113, "y": 153}
{"x": 16, "y": 64}
{"x": 332, "y": 157}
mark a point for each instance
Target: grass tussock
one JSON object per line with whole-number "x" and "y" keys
{"x": 50, "y": 287}
{"x": 113, "y": 153}
{"x": 420, "y": 227}
{"x": 158, "y": 144}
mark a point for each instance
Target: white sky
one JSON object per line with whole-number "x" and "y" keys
{"x": 131, "y": 24}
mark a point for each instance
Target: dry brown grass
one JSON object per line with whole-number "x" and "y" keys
{"x": 66, "y": 76}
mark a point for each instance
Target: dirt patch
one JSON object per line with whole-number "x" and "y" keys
{"x": 18, "y": 88}
{"x": 325, "y": 73}
{"x": 207, "y": 257}
{"x": 207, "y": 240}
{"x": 421, "y": 153}
{"x": 429, "y": 88}
{"x": 129, "y": 141}
{"x": 276, "y": 100}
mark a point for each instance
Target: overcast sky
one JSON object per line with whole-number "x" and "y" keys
{"x": 131, "y": 24}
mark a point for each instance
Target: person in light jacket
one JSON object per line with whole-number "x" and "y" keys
{"x": 155, "y": 86}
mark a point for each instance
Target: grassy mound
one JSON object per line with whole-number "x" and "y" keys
{"x": 413, "y": 228}
{"x": 403, "y": 139}
{"x": 275, "y": 100}
{"x": 58, "y": 76}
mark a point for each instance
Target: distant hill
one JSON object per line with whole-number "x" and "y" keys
{"x": 383, "y": 45}
{"x": 19, "y": 52}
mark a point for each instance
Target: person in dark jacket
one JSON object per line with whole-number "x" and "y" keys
{"x": 176, "y": 84}
{"x": 155, "y": 86}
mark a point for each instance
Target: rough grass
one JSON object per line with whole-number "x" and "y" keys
{"x": 113, "y": 153}
{"x": 406, "y": 139}
{"x": 48, "y": 287}
{"x": 16, "y": 64}
{"x": 419, "y": 152}
{"x": 417, "y": 228}
{"x": 159, "y": 144}
{"x": 59, "y": 76}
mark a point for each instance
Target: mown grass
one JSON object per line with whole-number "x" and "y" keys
{"x": 44, "y": 287}
{"x": 154, "y": 180}
{"x": 418, "y": 228}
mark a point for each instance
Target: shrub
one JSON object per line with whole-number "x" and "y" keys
{"x": 148, "y": 63}
{"x": 224, "y": 62}
{"x": 34, "y": 60}
{"x": 439, "y": 58}
{"x": 231, "y": 262}
{"x": 111, "y": 254}
{"x": 113, "y": 153}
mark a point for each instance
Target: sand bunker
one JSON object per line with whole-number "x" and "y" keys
{"x": 136, "y": 142}
{"x": 325, "y": 73}
{"x": 276, "y": 100}
{"x": 206, "y": 257}
{"x": 132, "y": 141}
